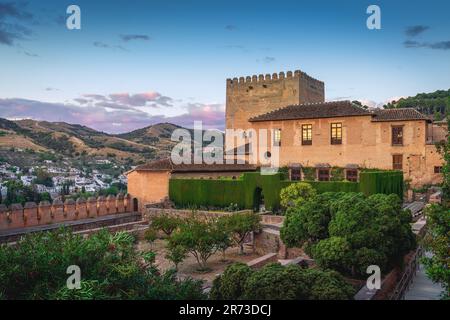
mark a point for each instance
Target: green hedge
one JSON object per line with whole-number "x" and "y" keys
{"x": 221, "y": 193}
{"x": 387, "y": 182}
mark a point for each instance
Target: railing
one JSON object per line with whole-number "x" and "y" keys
{"x": 408, "y": 276}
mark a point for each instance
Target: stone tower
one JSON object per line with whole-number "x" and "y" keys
{"x": 255, "y": 95}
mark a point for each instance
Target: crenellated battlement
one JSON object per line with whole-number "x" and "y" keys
{"x": 267, "y": 78}
{"x": 253, "y": 95}
{"x": 33, "y": 214}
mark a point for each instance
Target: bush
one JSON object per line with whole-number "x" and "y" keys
{"x": 352, "y": 231}
{"x": 176, "y": 254}
{"x": 274, "y": 281}
{"x": 308, "y": 222}
{"x": 332, "y": 253}
{"x": 296, "y": 194}
{"x": 111, "y": 269}
{"x": 230, "y": 285}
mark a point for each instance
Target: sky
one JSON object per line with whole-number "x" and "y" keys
{"x": 136, "y": 63}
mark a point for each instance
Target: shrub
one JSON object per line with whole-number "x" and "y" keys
{"x": 296, "y": 194}
{"x": 274, "y": 281}
{"x": 230, "y": 285}
{"x": 332, "y": 253}
{"x": 308, "y": 222}
{"x": 352, "y": 231}
{"x": 176, "y": 254}
{"x": 150, "y": 235}
{"x": 111, "y": 269}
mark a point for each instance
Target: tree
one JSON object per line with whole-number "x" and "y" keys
{"x": 351, "y": 231}
{"x": 332, "y": 253}
{"x": 230, "y": 285}
{"x": 43, "y": 177}
{"x": 36, "y": 267}
{"x": 150, "y": 235}
{"x": 308, "y": 223}
{"x": 176, "y": 254}
{"x": 437, "y": 240}
{"x": 166, "y": 223}
{"x": 295, "y": 194}
{"x": 274, "y": 281}
{"x": 199, "y": 237}
{"x": 240, "y": 225}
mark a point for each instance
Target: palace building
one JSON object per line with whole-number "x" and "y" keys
{"x": 310, "y": 133}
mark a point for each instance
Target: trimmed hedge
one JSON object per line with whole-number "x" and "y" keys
{"x": 221, "y": 193}
{"x": 387, "y": 182}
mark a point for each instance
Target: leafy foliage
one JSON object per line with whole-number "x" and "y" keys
{"x": 166, "y": 223}
{"x": 110, "y": 269}
{"x": 351, "y": 231}
{"x": 295, "y": 194}
{"x": 239, "y": 225}
{"x": 275, "y": 281}
{"x": 438, "y": 241}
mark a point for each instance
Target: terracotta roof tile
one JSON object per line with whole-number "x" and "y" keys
{"x": 313, "y": 110}
{"x": 167, "y": 165}
{"x": 398, "y": 114}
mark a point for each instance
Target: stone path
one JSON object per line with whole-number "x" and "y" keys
{"x": 422, "y": 287}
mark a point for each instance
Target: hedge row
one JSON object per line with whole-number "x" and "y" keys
{"x": 221, "y": 193}
{"x": 387, "y": 182}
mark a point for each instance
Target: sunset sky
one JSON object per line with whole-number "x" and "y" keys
{"x": 136, "y": 63}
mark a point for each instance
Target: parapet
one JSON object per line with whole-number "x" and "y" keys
{"x": 268, "y": 78}
{"x": 33, "y": 214}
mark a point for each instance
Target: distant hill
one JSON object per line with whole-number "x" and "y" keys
{"x": 77, "y": 141}
{"x": 435, "y": 104}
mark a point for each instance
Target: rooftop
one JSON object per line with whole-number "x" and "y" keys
{"x": 335, "y": 109}
{"x": 167, "y": 165}
{"x": 398, "y": 114}
{"x": 313, "y": 110}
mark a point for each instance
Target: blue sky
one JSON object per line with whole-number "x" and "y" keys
{"x": 135, "y": 63}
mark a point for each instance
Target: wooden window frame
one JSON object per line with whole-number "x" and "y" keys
{"x": 319, "y": 175}
{"x": 395, "y": 164}
{"x": 335, "y": 139}
{"x": 295, "y": 176}
{"x": 437, "y": 169}
{"x": 355, "y": 179}
{"x": 396, "y": 139}
{"x": 308, "y": 129}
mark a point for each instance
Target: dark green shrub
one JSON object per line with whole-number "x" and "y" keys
{"x": 332, "y": 253}
{"x": 230, "y": 285}
{"x": 110, "y": 269}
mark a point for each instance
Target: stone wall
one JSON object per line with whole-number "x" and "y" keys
{"x": 253, "y": 95}
{"x": 33, "y": 214}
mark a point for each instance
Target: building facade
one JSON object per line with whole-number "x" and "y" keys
{"x": 310, "y": 133}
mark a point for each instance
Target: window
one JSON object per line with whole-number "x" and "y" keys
{"x": 397, "y": 136}
{"x": 307, "y": 134}
{"x": 277, "y": 137}
{"x": 437, "y": 169}
{"x": 397, "y": 162}
{"x": 324, "y": 174}
{"x": 352, "y": 175}
{"x": 296, "y": 174}
{"x": 336, "y": 133}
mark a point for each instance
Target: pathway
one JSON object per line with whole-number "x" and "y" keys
{"x": 422, "y": 288}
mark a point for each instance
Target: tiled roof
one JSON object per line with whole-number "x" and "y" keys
{"x": 398, "y": 114}
{"x": 167, "y": 165}
{"x": 313, "y": 110}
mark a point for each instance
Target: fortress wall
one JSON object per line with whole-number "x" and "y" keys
{"x": 32, "y": 214}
